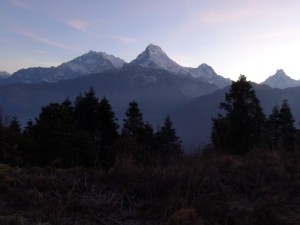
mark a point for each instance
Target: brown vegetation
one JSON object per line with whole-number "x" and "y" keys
{"x": 208, "y": 188}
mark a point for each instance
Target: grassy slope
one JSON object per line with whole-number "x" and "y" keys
{"x": 200, "y": 189}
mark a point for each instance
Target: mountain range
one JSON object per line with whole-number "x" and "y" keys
{"x": 161, "y": 87}
{"x": 97, "y": 62}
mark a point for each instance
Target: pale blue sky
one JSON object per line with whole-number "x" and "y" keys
{"x": 254, "y": 37}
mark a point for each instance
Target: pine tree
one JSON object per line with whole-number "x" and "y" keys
{"x": 168, "y": 141}
{"x": 58, "y": 141}
{"x": 86, "y": 113}
{"x": 10, "y": 139}
{"x": 287, "y": 127}
{"x": 108, "y": 133}
{"x": 274, "y": 127}
{"x": 108, "y": 127}
{"x": 138, "y": 135}
{"x": 133, "y": 123}
{"x": 241, "y": 128}
{"x": 281, "y": 127}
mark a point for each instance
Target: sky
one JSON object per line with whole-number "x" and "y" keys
{"x": 249, "y": 37}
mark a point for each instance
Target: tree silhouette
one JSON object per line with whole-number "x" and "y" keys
{"x": 274, "y": 127}
{"x": 281, "y": 128}
{"x": 10, "y": 136}
{"x": 287, "y": 127}
{"x": 86, "y": 113}
{"x": 168, "y": 141}
{"x": 138, "y": 135}
{"x": 57, "y": 140}
{"x": 133, "y": 124}
{"x": 108, "y": 133}
{"x": 242, "y": 125}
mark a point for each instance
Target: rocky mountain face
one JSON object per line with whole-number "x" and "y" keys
{"x": 281, "y": 80}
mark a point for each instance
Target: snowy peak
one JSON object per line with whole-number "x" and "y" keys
{"x": 155, "y": 57}
{"x": 206, "y": 70}
{"x": 281, "y": 80}
{"x": 280, "y": 73}
{"x": 155, "y": 50}
{"x": 207, "y": 74}
{"x": 89, "y": 63}
{"x": 92, "y": 55}
{"x": 92, "y": 62}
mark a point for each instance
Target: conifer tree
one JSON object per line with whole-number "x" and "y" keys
{"x": 168, "y": 141}
{"x": 281, "y": 127}
{"x": 133, "y": 123}
{"x": 138, "y": 135}
{"x": 108, "y": 133}
{"x": 9, "y": 142}
{"x": 287, "y": 127}
{"x": 241, "y": 127}
{"x": 108, "y": 127}
{"x": 273, "y": 124}
{"x": 86, "y": 113}
{"x": 58, "y": 142}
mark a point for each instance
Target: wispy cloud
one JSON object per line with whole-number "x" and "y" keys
{"x": 47, "y": 41}
{"x": 123, "y": 39}
{"x": 21, "y": 4}
{"x": 78, "y": 24}
{"x": 215, "y": 17}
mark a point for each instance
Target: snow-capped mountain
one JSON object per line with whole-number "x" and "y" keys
{"x": 89, "y": 63}
{"x": 4, "y": 74}
{"x": 281, "y": 80}
{"x": 155, "y": 57}
{"x": 207, "y": 74}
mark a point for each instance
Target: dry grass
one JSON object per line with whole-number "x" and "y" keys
{"x": 204, "y": 189}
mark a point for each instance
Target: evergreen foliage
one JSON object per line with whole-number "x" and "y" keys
{"x": 287, "y": 126}
{"x": 168, "y": 141}
{"x": 86, "y": 113}
{"x": 138, "y": 135}
{"x": 241, "y": 128}
{"x": 10, "y": 137}
{"x": 281, "y": 127}
{"x": 133, "y": 124}
{"x": 84, "y": 133}
{"x": 58, "y": 142}
{"x": 273, "y": 125}
{"x": 108, "y": 133}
